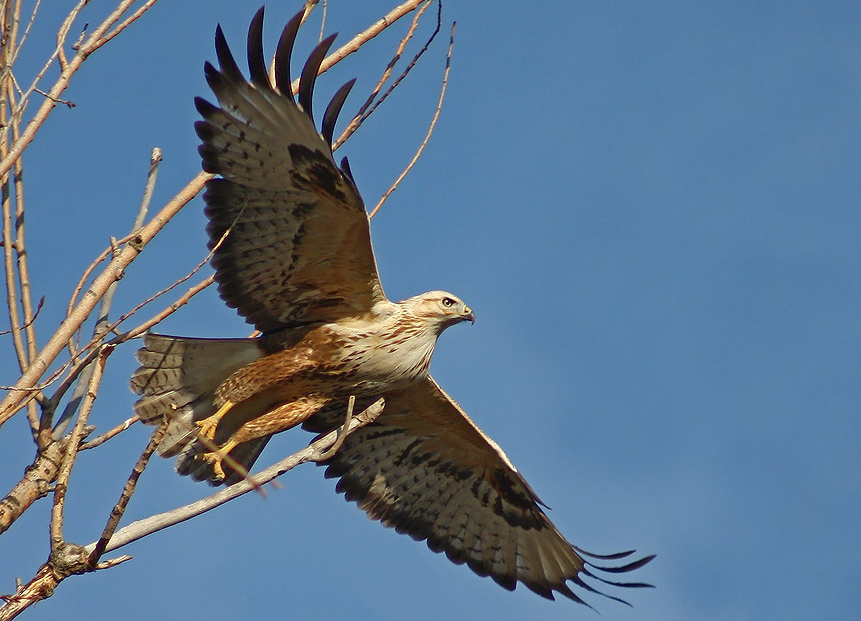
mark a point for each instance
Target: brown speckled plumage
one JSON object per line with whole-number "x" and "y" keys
{"x": 295, "y": 259}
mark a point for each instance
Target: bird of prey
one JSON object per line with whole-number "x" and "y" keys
{"x": 293, "y": 255}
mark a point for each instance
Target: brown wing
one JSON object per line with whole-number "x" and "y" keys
{"x": 299, "y": 246}
{"x": 424, "y": 468}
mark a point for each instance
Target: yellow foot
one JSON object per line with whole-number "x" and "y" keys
{"x": 216, "y": 457}
{"x": 207, "y": 426}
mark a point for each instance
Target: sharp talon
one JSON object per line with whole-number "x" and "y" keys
{"x": 216, "y": 457}
{"x": 207, "y": 426}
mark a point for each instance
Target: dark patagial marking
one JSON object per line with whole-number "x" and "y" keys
{"x": 318, "y": 169}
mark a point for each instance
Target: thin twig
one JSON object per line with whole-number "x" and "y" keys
{"x": 363, "y": 37}
{"x": 72, "y": 451}
{"x": 31, "y": 321}
{"x": 101, "y": 439}
{"x": 155, "y": 523}
{"x": 104, "y": 254}
{"x": 129, "y": 489}
{"x": 102, "y": 328}
{"x": 323, "y": 20}
{"x": 125, "y": 23}
{"x": 20, "y": 43}
{"x": 430, "y": 129}
{"x": 9, "y": 263}
{"x": 366, "y": 110}
{"x": 180, "y": 302}
{"x": 93, "y": 43}
{"x": 112, "y": 272}
{"x": 342, "y": 433}
{"x": 66, "y": 102}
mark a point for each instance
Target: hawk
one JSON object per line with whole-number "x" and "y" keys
{"x": 292, "y": 254}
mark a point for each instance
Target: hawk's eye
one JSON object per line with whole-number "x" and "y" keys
{"x": 447, "y": 302}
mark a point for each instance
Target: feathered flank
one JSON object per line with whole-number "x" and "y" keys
{"x": 309, "y": 75}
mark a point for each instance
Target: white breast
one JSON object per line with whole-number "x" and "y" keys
{"x": 387, "y": 352}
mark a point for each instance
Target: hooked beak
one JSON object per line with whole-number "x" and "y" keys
{"x": 468, "y": 315}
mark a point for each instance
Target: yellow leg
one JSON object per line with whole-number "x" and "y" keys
{"x": 216, "y": 457}
{"x": 208, "y": 425}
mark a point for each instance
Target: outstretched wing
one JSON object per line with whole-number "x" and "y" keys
{"x": 295, "y": 245}
{"x": 424, "y": 468}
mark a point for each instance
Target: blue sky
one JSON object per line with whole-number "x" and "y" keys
{"x": 654, "y": 211}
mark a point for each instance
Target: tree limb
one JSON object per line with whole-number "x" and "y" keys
{"x": 155, "y": 523}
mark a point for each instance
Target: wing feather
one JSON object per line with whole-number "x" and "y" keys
{"x": 290, "y": 232}
{"x": 424, "y": 468}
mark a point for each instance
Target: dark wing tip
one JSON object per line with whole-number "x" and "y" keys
{"x": 256, "y": 62}
{"x": 309, "y": 74}
{"x": 225, "y": 57}
{"x": 348, "y": 174}
{"x": 334, "y": 109}
{"x": 205, "y": 108}
{"x": 204, "y": 130}
{"x": 623, "y": 568}
{"x": 283, "y": 54}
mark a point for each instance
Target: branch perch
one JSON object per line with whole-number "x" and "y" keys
{"x": 155, "y": 523}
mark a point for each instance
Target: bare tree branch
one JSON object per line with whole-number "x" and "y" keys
{"x": 112, "y": 272}
{"x": 101, "y": 328}
{"x": 120, "y": 508}
{"x": 38, "y": 478}
{"x": 429, "y": 132}
{"x": 99, "y": 440}
{"x": 371, "y": 104}
{"x": 93, "y": 43}
{"x": 85, "y": 363}
{"x": 68, "y": 462}
{"x": 363, "y": 37}
{"x": 155, "y": 523}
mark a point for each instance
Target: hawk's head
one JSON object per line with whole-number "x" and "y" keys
{"x": 440, "y": 309}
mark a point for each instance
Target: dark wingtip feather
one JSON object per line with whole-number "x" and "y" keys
{"x": 225, "y": 58}
{"x": 309, "y": 74}
{"x": 284, "y": 53}
{"x": 334, "y": 109}
{"x": 205, "y": 108}
{"x": 625, "y": 568}
{"x": 348, "y": 174}
{"x": 345, "y": 168}
{"x": 204, "y": 130}
{"x": 605, "y": 557}
{"x": 626, "y": 585}
{"x": 208, "y": 159}
{"x": 256, "y": 62}
{"x": 209, "y": 72}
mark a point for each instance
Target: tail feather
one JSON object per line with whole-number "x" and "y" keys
{"x": 178, "y": 377}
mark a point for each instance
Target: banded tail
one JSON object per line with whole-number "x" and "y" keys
{"x": 178, "y": 377}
